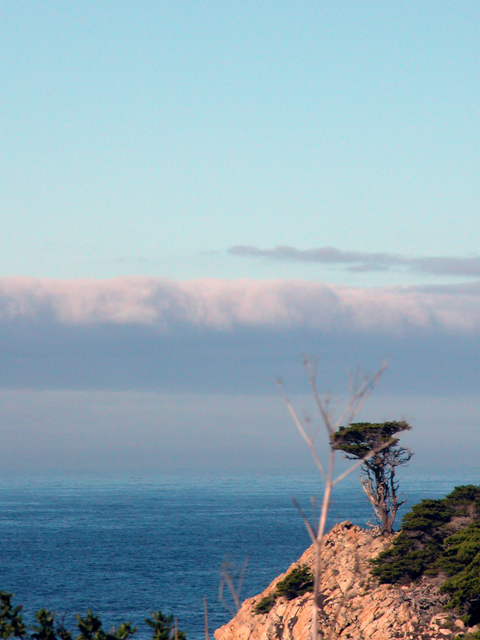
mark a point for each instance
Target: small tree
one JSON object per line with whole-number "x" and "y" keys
{"x": 378, "y": 481}
{"x": 164, "y": 627}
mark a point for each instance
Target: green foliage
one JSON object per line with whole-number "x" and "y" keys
{"x": 461, "y": 561}
{"x": 45, "y": 629}
{"x": 90, "y": 627}
{"x": 265, "y": 605}
{"x": 440, "y": 536}
{"x": 297, "y": 583}
{"x": 163, "y": 627}
{"x": 11, "y": 622}
{"x": 360, "y": 438}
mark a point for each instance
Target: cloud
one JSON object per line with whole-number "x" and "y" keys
{"x": 357, "y": 261}
{"x": 221, "y": 336}
{"x": 224, "y": 305}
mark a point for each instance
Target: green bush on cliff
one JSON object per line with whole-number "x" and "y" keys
{"x": 297, "y": 583}
{"x": 440, "y": 536}
{"x": 265, "y": 605}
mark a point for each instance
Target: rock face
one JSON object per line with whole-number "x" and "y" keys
{"x": 354, "y": 605}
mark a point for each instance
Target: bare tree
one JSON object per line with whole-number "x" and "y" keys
{"x": 361, "y": 386}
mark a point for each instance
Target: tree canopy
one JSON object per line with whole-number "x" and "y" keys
{"x": 361, "y": 438}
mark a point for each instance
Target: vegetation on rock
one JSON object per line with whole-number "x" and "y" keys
{"x": 265, "y": 605}
{"x": 440, "y": 537}
{"x": 297, "y": 583}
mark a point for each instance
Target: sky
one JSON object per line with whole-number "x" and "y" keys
{"x": 195, "y": 195}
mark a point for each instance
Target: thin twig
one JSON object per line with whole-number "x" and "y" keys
{"x": 229, "y": 578}
{"x": 302, "y": 432}
{"x": 206, "y": 617}
{"x": 312, "y": 375}
{"x": 308, "y": 526}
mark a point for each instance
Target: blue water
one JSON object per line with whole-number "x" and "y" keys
{"x": 127, "y": 546}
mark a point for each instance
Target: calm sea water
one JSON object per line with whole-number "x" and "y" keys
{"x": 128, "y": 546}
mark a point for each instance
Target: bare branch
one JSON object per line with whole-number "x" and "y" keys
{"x": 242, "y": 576}
{"x": 359, "y": 395}
{"x": 228, "y": 577}
{"x": 312, "y": 374}
{"x": 206, "y": 617}
{"x": 303, "y": 433}
{"x": 305, "y": 520}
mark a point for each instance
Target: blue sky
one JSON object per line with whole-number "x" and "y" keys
{"x": 195, "y": 194}
{"x": 149, "y": 137}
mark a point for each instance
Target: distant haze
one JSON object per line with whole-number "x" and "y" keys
{"x": 143, "y": 373}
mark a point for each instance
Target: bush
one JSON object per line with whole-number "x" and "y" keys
{"x": 265, "y": 605}
{"x": 440, "y": 536}
{"x": 297, "y": 583}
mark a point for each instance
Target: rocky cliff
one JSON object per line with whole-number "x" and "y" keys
{"x": 354, "y": 605}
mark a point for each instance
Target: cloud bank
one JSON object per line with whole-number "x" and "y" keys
{"x": 222, "y": 305}
{"x": 218, "y": 336}
{"x": 358, "y": 261}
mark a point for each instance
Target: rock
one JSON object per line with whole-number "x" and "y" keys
{"x": 354, "y": 605}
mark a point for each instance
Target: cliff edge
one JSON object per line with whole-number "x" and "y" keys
{"x": 354, "y": 604}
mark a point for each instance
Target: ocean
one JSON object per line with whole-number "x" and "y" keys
{"x": 126, "y": 546}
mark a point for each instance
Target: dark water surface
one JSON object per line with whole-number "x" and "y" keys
{"x": 127, "y": 546}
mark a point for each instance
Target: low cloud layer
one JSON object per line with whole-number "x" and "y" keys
{"x": 357, "y": 261}
{"x": 220, "y": 336}
{"x": 226, "y": 306}
{"x": 145, "y": 372}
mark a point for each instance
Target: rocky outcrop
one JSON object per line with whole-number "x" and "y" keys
{"x": 353, "y": 604}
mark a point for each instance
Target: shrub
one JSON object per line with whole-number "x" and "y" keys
{"x": 297, "y": 583}
{"x": 265, "y": 605}
{"x": 440, "y": 536}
